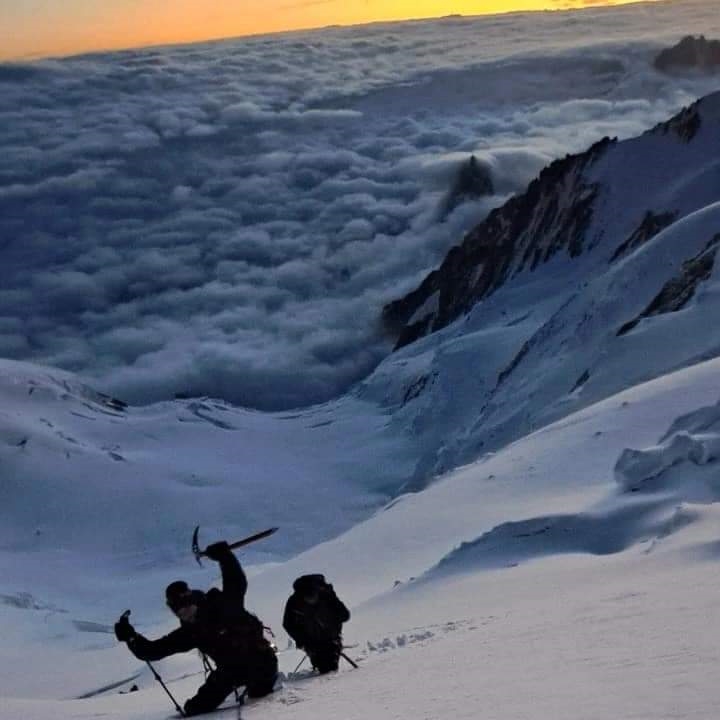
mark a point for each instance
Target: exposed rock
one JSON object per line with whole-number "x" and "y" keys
{"x": 690, "y": 52}
{"x": 676, "y": 293}
{"x": 473, "y": 181}
{"x": 112, "y": 402}
{"x": 524, "y": 350}
{"x": 649, "y": 227}
{"x": 685, "y": 124}
{"x": 551, "y": 216}
{"x": 418, "y": 386}
{"x": 581, "y": 381}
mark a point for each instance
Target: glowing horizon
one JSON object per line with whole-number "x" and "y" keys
{"x": 48, "y": 28}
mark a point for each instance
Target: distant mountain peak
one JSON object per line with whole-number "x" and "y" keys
{"x": 472, "y": 180}
{"x": 691, "y": 52}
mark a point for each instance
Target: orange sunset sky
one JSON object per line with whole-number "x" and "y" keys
{"x": 36, "y": 28}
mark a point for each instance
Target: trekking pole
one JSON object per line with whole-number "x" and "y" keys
{"x": 124, "y": 618}
{"x": 352, "y": 662}
{"x": 164, "y": 687}
{"x": 304, "y": 657}
{"x": 207, "y": 667}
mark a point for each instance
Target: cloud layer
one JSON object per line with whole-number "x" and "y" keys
{"x": 228, "y": 219}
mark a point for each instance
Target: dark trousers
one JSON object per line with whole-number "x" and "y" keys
{"x": 216, "y": 688}
{"x": 220, "y": 683}
{"x": 325, "y": 656}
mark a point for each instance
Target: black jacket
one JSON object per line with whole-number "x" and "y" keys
{"x": 311, "y": 625}
{"x": 227, "y": 633}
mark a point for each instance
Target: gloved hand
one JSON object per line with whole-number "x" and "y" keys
{"x": 124, "y": 631}
{"x": 217, "y": 550}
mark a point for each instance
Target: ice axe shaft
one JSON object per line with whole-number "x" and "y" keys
{"x": 239, "y": 543}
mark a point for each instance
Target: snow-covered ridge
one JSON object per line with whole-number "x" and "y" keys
{"x": 553, "y": 214}
{"x": 569, "y": 208}
{"x": 536, "y": 344}
{"x": 660, "y": 489}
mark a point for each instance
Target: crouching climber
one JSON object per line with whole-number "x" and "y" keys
{"x": 217, "y": 624}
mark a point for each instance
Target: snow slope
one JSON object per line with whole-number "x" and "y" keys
{"x": 568, "y": 574}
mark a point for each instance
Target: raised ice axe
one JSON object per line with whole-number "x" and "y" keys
{"x": 198, "y": 553}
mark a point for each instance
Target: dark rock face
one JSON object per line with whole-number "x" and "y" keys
{"x": 650, "y": 226}
{"x": 685, "y": 124}
{"x": 690, "y": 52}
{"x": 417, "y": 387}
{"x": 581, "y": 381}
{"x": 473, "y": 181}
{"x": 676, "y": 293}
{"x": 551, "y": 216}
{"x": 524, "y": 350}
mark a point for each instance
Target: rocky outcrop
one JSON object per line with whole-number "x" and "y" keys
{"x": 685, "y": 124}
{"x": 472, "y": 181}
{"x": 690, "y": 52}
{"x": 552, "y": 215}
{"x": 676, "y": 293}
{"x": 649, "y": 227}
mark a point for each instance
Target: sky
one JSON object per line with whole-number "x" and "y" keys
{"x": 228, "y": 219}
{"x": 37, "y": 28}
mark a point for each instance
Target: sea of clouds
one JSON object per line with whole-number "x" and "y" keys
{"x": 228, "y": 219}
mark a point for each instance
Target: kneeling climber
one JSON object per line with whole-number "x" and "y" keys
{"x": 217, "y": 624}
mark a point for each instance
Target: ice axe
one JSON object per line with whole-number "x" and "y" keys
{"x": 198, "y": 553}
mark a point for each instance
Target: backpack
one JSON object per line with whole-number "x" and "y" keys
{"x": 240, "y": 627}
{"x": 319, "y": 621}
